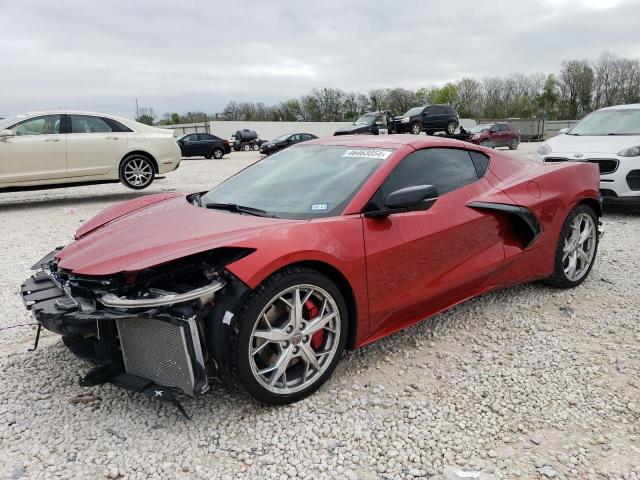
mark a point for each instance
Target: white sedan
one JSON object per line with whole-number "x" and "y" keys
{"x": 44, "y": 148}
{"x": 609, "y": 137}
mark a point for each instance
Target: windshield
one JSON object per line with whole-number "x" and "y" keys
{"x": 367, "y": 119}
{"x": 609, "y": 122}
{"x": 281, "y": 138}
{"x": 413, "y": 111}
{"x": 301, "y": 182}
{"x": 8, "y": 121}
{"x": 479, "y": 128}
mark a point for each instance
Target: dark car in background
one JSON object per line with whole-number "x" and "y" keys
{"x": 429, "y": 119}
{"x": 499, "y": 134}
{"x": 284, "y": 141}
{"x": 203, "y": 145}
{"x": 370, "y": 124}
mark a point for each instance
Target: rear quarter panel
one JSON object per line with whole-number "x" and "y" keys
{"x": 550, "y": 191}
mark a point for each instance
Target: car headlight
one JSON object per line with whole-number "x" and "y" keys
{"x": 405, "y": 119}
{"x": 544, "y": 149}
{"x": 475, "y": 136}
{"x": 630, "y": 152}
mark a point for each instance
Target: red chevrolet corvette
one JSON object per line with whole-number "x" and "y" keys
{"x": 331, "y": 244}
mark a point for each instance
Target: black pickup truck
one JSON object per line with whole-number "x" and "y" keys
{"x": 372, "y": 123}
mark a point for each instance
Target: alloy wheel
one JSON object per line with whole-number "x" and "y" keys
{"x": 579, "y": 247}
{"x": 415, "y": 129}
{"x": 295, "y": 339}
{"x": 138, "y": 172}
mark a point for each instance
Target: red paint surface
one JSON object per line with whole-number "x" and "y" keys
{"x": 401, "y": 269}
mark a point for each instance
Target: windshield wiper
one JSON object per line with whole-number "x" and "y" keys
{"x": 232, "y": 207}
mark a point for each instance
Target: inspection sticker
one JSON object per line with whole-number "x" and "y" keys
{"x": 366, "y": 153}
{"x": 319, "y": 206}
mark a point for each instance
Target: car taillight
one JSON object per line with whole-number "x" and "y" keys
{"x": 226, "y": 142}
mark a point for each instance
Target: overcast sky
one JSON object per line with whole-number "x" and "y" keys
{"x": 184, "y": 55}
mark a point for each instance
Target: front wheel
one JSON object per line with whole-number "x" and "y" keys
{"x": 137, "y": 172}
{"x": 415, "y": 128}
{"x": 577, "y": 248}
{"x": 289, "y": 336}
{"x": 513, "y": 144}
{"x": 218, "y": 153}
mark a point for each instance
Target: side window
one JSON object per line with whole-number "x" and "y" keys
{"x": 205, "y": 136}
{"x": 480, "y": 161}
{"x": 445, "y": 168}
{"x": 45, "y": 125}
{"x": 115, "y": 125}
{"x": 429, "y": 110}
{"x": 438, "y": 110}
{"x": 191, "y": 138}
{"x": 89, "y": 124}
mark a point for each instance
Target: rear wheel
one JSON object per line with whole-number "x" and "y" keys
{"x": 289, "y": 336}
{"x": 137, "y": 172}
{"x": 451, "y": 127}
{"x": 415, "y": 128}
{"x": 218, "y": 153}
{"x": 245, "y": 147}
{"x": 513, "y": 144}
{"x": 256, "y": 147}
{"x": 577, "y": 248}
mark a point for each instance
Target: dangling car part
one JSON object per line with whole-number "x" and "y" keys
{"x": 330, "y": 244}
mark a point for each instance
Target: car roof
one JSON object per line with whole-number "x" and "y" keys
{"x": 628, "y": 106}
{"x": 391, "y": 141}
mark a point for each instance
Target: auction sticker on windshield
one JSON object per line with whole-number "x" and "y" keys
{"x": 367, "y": 153}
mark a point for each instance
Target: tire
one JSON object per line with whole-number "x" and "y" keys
{"x": 245, "y": 147}
{"x": 415, "y": 128}
{"x": 291, "y": 346}
{"x": 451, "y": 127}
{"x": 513, "y": 144}
{"x": 218, "y": 153}
{"x": 256, "y": 147}
{"x": 137, "y": 172}
{"x": 562, "y": 278}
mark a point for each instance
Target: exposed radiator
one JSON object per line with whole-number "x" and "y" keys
{"x": 159, "y": 351}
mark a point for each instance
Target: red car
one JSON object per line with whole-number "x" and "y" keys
{"x": 330, "y": 244}
{"x": 496, "y": 135}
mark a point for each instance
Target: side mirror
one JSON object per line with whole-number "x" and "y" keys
{"x": 411, "y": 197}
{"x": 420, "y": 197}
{"x": 560, "y": 132}
{"x": 6, "y": 134}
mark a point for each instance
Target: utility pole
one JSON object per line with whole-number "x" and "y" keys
{"x": 137, "y": 110}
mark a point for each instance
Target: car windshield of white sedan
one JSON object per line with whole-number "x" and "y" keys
{"x": 609, "y": 122}
{"x": 4, "y": 123}
{"x": 300, "y": 182}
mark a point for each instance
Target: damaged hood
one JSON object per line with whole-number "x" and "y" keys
{"x": 157, "y": 229}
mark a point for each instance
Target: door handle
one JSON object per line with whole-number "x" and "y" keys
{"x": 52, "y": 140}
{"x": 112, "y": 138}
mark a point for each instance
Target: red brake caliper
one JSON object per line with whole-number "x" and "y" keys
{"x": 311, "y": 310}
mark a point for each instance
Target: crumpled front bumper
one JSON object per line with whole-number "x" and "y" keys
{"x": 138, "y": 345}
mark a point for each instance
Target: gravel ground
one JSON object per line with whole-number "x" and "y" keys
{"x": 528, "y": 382}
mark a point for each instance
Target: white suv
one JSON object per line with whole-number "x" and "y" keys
{"x": 609, "y": 137}
{"x": 44, "y": 148}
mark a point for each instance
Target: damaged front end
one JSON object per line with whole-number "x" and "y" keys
{"x": 152, "y": 331}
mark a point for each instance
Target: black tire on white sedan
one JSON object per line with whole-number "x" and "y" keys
{"x": 289, "y": 336}
{"x": 137, "y": 172}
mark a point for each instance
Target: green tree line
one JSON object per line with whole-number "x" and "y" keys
{"x": 580, "y": 87}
